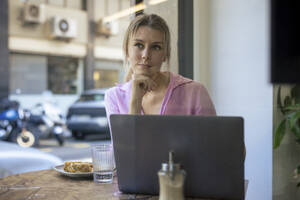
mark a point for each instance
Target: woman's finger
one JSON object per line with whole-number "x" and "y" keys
{"x": 144, "y": 82}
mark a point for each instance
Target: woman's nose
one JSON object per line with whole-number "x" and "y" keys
{"x": 146, "y": 54}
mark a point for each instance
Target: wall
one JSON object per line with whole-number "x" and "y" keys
{"x": 239, "y": 81}
{"x": 103, "y": 10}
{"x": 16, "y": 27}
{"x": 37, "y": 36}
{"x": 35, "y": 39}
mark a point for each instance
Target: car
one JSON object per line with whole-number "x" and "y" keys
{"x": 15, "y": 159}
{"x": 87, "y": 115}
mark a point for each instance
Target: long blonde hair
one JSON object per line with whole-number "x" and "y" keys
{"x": 152, "y": 21}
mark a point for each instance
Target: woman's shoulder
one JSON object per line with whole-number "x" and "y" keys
{"x": 180, "y": 81}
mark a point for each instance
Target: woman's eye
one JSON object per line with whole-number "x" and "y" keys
{"x": 157, "y": 47}
{"x": 139, "y": 45}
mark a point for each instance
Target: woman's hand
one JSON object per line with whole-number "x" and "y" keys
{"x": 140, "y": 86}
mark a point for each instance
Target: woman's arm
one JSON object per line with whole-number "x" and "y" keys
{"x": 111, "y": 105}
{"x": 205, "y": 105}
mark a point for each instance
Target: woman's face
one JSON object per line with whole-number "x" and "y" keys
{"x": 146, "y": 51}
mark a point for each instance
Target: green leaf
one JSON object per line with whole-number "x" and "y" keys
{"x": 295, "y": 107}
{"x": 294, "y": 119}
{"x": 279, "y": 134}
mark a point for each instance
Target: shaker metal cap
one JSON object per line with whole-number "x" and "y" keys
{"x": 165, "y": 167}
{"x": 170, "y": 166}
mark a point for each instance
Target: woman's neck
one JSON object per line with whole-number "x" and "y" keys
{"x": 162, "y": 80}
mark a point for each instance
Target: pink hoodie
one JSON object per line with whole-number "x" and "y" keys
{"x": 183, "y": 97}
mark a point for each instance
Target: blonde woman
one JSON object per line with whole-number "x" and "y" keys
{"x": 147, "y": 89}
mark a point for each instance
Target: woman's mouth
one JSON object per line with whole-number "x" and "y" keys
{"x": 144, "y": 65}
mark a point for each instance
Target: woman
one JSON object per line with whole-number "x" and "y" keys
{"x": 147, "y": 89}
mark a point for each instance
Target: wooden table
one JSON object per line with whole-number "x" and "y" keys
{"x": 49, "y": 184}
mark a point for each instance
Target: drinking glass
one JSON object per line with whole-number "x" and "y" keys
{"x": 103, "y": 163}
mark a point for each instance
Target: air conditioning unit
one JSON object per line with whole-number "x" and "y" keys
{"x": 33, "y": 13}
{"x": 62, "y": 28}
{"x": 107, "y": 28}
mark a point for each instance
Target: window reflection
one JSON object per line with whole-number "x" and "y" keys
{"x": 62, "y": 75}
{"x": 34, "y": 74}
{"x": 105, "y": 78}
{"x": 91, "y": 97}
{"x": 28, "y": 74}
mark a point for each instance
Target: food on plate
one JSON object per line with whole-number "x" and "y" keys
{"x": 78, "y": 166}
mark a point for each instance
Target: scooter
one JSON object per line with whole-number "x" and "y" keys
{"x": 49, "y": 120}
{"x": 15, "y": 125}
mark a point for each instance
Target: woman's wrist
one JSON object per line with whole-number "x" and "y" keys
{"x": 135, "y": 106}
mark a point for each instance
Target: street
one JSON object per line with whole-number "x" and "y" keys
{"x": 72, "y": 149}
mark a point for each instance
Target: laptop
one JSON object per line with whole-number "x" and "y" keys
{"x": 209, "y": 148}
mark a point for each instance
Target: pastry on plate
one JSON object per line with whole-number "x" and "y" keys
{"x": 78, "y": 166}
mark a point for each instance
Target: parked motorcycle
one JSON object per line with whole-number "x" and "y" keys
{"x": 49, "y": 120}
{"x": 15, "y": 125}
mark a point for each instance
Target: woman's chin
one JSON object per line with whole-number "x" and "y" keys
{"x": 144, "y": 72}
{"x": 150, "y": 72}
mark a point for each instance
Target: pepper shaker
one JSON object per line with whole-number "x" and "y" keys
{"x": 171, "y": 180}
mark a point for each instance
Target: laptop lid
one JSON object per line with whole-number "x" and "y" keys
{"x": 210, "y": 150}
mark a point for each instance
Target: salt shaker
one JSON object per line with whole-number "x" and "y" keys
{"x": 171, "y": 180}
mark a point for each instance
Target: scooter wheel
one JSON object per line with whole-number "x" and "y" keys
{"x": 28, "y": 138}
{"x": 60, "y": 140}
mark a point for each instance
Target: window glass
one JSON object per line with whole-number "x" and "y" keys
{"x": 107, "y": 73}
{"x": 62, "y": 75}
{"x": 91, "y": 97}
{"x": 34, "y": 74}
{"x": 28, "y": 74}
{"x": 105, "y": 78}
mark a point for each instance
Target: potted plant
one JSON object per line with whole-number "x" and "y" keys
{"x": 290, "y": 109}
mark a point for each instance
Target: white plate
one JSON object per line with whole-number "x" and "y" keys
{"x": 60, "y": 169}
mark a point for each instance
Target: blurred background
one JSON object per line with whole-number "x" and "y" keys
{"x": 57, "y": 58}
